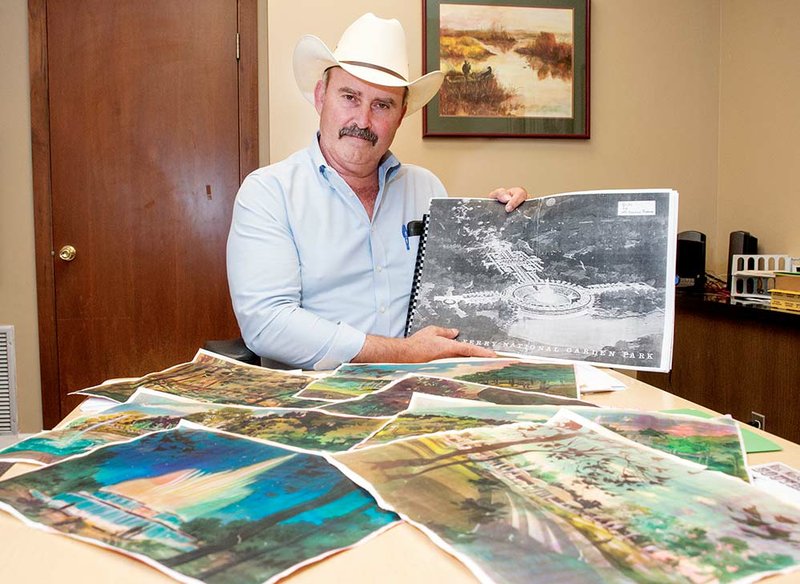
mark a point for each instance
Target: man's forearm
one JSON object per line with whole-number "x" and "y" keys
{"x": 381, "y": 350}
{"x": 425, "y": 345}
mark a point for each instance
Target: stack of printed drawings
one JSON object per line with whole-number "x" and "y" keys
{"x": 222, "y": 472}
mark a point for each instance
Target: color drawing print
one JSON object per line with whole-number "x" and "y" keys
{"x": 215, "y": 379}
{"x": 149, "y": 411}
{"x": 395, "y": 397}
{"x": 716, "y": 444}
{"x": 200, "y": 504}
{"x": 578, "y": 276}
{"x": 569, "y": 501}
{"x": 506, "y": 61}
{"x": 313, "y": 430}
{"x": 354, "y": 379}
{"x": 144, "y": 412}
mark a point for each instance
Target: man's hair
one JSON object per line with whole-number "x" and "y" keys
{"x": 326, "y": 74}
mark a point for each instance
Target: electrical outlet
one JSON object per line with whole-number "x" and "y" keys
{"x": 758, "y": 420}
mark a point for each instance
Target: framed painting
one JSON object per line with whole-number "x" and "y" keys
{"x": 513, "y": 68}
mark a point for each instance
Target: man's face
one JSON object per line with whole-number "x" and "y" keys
{"x": 357, "y": 121}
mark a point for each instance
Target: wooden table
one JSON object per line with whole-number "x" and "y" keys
{"x": 401, "y": 554}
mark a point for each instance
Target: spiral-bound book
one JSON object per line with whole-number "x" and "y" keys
{"x": 586, "y": 276}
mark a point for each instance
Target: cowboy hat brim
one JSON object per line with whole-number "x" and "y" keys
{"x": 312, "y": 57}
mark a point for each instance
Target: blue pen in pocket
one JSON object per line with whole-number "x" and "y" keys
{"x": 404, "y": 231}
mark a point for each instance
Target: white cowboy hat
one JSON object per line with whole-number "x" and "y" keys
{"x": 372, "y": 49}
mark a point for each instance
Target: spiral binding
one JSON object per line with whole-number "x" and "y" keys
{"x": 412, "y": 301}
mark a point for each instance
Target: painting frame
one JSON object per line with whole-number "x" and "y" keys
{"x": 573, "y": 124}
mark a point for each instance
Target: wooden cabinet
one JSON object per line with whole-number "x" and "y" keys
{"x": 736, "y": 360}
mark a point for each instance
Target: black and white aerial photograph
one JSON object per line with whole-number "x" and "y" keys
{"x": 579, "y": 276}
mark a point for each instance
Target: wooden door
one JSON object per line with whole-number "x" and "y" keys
{"x": 145, "y": 157}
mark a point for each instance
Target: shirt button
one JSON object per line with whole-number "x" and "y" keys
{"x": 383, "y": 309}
{"x": 379, "y": 268}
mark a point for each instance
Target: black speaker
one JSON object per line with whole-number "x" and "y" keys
{"x": 690, "y": 261}
{"x": 741, "y": 242}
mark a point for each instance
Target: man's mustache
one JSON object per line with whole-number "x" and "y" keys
{"x": 356, "y": 132}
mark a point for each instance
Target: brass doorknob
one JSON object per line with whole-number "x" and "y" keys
{"x": 67, "y": 253}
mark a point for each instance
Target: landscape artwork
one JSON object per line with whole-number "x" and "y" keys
{"x": 148, "y": 411}
{"x": 200, "y": 504}
{"x": 578, "y": 276}
{"x": 395, "y": 397}
{"x": 569, "y": 501}
{"x": 144, "y": 412}
{"x": 715, "y": 443}
{"x": 354, "y": 379}
{"x": 511, "y": 68}
{"x": 313, "y": 430}
{"x": 429, "y": 414}
{"x": 215, "y": 379}
{"x": 506, "y": 61}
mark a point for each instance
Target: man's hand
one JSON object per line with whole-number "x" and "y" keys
{"x": 513, "y": 197}
{"x": 430, "y": 343}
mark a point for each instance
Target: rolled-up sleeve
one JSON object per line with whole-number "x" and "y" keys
{"x": 265, "y": 284}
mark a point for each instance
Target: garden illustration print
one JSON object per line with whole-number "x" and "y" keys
{"x": 355, "y": 379}
{"x": 200, "y": 504}
{"x": 215, "y": 379}
{"x": 716, "y": 444}
{"x": 148, "y": 411}
{"x": 569, "y": 501}
{"x": 395, "y": 397}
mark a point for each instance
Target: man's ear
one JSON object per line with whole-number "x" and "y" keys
{"x": 319, "y": 95}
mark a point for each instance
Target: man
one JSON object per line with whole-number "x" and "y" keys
{"x": 319, "y": 266}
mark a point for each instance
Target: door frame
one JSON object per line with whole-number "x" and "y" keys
{"x": 247, "y": 22}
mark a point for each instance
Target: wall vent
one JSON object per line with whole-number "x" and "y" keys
{"x": 8, "y": 381}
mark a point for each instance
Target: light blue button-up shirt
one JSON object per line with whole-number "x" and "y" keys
{"x": 310, "y": 275}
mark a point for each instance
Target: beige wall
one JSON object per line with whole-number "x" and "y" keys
{"x": 759, "y": 165}
{"x": 17, "y": 273}
{"x": 678, "y": 99}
